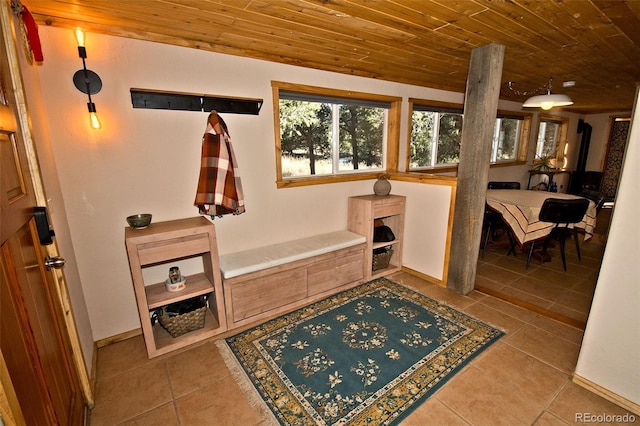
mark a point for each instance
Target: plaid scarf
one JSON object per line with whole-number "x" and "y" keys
{"x": 219, "y": 187}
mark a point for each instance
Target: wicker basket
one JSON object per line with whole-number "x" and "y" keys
{"x": 381, "y": 259}
{"x": 177, "y": 325}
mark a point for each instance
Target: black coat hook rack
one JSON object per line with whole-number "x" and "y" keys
{"x": 180, "y": 101}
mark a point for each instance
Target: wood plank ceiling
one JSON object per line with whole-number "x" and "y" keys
{"x": 595, "y": 43}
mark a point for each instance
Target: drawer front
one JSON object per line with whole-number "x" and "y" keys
{"x": 385, "y": 210}
{"x": 336, "y": 272}
{"x": 260, "y": 295}
{"x": 159, "y": 251}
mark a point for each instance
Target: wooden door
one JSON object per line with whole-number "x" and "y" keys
{"x": 34, "y": 342}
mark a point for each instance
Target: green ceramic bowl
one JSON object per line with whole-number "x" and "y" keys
{"x": 139, "y": 221}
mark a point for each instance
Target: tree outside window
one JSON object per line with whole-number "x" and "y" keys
{"x": 436, "y": 134}
{"x": 548, "y": 135}
{"x": 435, "y": 138}
{"x": 361, "y": 137}
{"x": 304, "y": 138}
{"x": 551, "y": 142}
{"x": 329, "y": 133}
{"x": 327, "y": 138}
{"x": 506, "y": 137}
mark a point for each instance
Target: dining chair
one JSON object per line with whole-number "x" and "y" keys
{"x": 493, "y": 221}
{"x": 595, "y": 196}
{"x": 561, "y": 213}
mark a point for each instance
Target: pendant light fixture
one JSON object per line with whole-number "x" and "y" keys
{"x": 548, "y": 101}
{"x": 87, "y": 81}
{"x": 545, "y": 102}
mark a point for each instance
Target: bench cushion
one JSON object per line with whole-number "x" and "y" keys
{"x": 244, "y": 262}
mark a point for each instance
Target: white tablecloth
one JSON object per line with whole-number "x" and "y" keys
{"x": 520, "y": 210}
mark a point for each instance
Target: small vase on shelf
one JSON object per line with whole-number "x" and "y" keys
{"x": 382, "y": 185}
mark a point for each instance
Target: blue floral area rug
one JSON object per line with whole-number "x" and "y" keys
{"x": 369, "y": 355}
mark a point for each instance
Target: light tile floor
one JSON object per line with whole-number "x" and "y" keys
{"x": 545, "y": 287}
{"x": 523, "y": 379}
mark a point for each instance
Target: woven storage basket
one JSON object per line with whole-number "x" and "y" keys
{"x": 180, "y": 324}
{"x": 381, "y": 260}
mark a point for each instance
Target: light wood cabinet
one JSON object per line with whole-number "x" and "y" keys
{"x": 364, "y": 210}
{"x": 270, "y": 292}
{"x": 165, "y": 243}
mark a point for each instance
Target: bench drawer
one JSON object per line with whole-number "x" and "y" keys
{"x": 255, "y": 296}
{"x": 330, "y": 274}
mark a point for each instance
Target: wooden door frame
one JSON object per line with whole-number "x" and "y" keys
{"x": 7, "y": 26}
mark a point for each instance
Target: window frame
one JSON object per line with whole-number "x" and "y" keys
{"x": 524, "y": 137}
{"x": 523, "y": 143}
{"x": 393, "y": 133}
{"x": 561, "y": 138}
{"x": 452, "y": 107}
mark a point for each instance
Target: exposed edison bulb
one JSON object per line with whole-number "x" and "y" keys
{"x": 94, "y": 120}
{"x": 80, "y": 37}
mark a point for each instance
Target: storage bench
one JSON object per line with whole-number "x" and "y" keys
{"x": 264, "y": 282}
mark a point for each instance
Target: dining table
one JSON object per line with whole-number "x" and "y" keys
{"x": 520, "y": 210}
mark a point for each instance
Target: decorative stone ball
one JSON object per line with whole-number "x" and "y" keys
{"x": 382, "y": 187}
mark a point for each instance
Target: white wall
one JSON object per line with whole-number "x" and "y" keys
{"x": 425, "y": 237}
{"x": 610, "y": 353}
{"x": 148, "y": 160}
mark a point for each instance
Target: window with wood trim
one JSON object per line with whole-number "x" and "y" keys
{"x": 551, "y": 140}
{"x": 510, "y": 137}
{"x": 327, "y": 135}
{"x": 436, "y": 134}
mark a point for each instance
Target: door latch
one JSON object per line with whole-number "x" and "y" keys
{"x": 45, "y": 232}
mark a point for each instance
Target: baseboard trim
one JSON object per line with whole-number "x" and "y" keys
{"x": 606, "y": 394}
{"x": 425, "y": 277}
{"x": 93, "y": 378}
{"x": 118, "y": 338}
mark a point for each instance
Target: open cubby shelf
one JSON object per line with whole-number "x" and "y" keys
{"x": 164, "y": 243}
{"x": 364, "y": 210}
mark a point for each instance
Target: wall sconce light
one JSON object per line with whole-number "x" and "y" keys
{"x": 545, "y": 102}
{"x": 87, "y": 81}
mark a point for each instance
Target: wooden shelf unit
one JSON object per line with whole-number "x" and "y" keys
{"x": 164, "y": 243}
{"x": 364, "y": 210}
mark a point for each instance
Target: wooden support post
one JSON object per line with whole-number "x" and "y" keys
{"x": 480, "y": 111}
